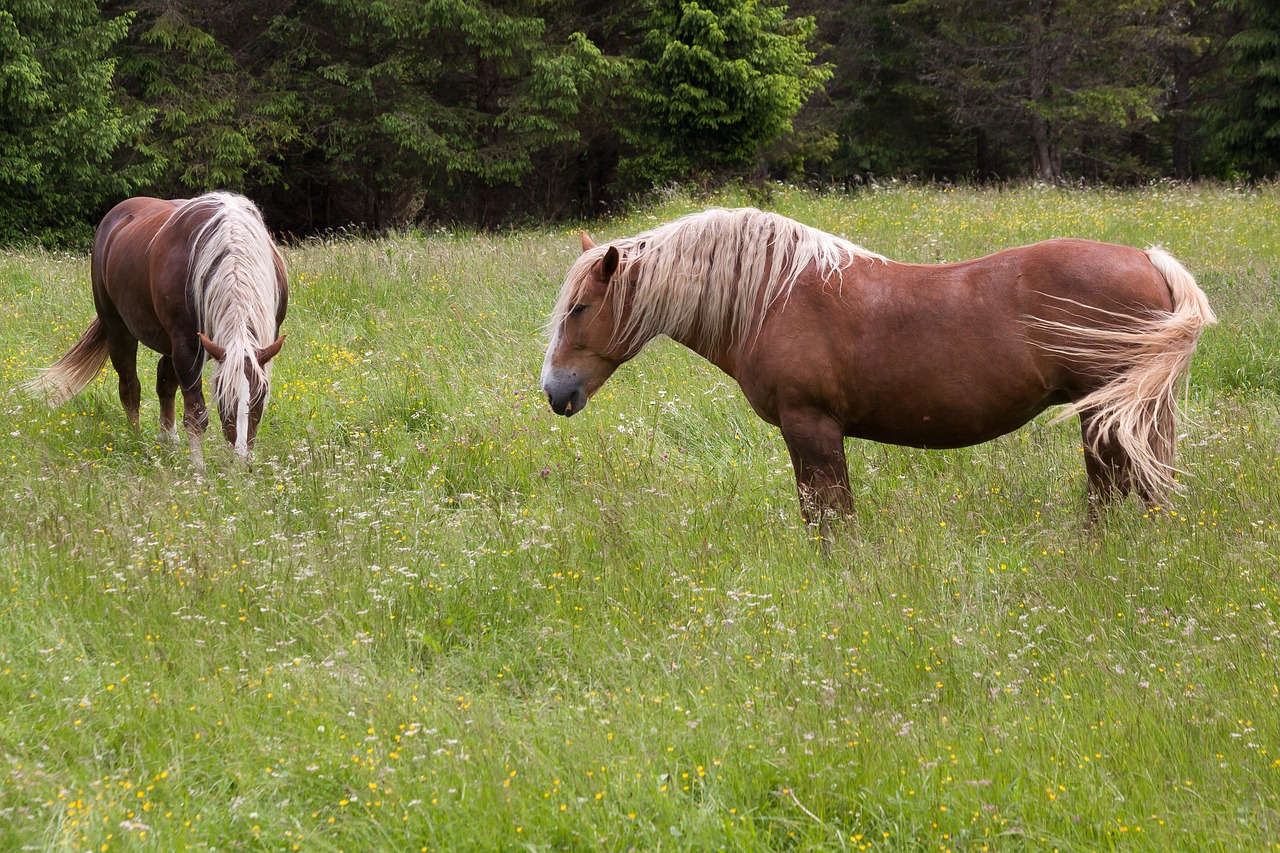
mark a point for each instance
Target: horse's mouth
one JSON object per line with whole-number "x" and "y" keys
{"x": 567, "y": 405}
{"x": 565, "y": 409}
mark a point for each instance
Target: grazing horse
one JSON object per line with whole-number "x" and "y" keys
{"x": 829, "y": 340}
{"x": 190, "y": 279}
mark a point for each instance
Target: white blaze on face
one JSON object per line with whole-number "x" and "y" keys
{"x": 546, "y": 360}
{"x": 242, "y": 419}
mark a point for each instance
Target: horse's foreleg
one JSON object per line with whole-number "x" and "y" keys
{"x": 195, "y": 418}
{"x": 123, "y": 350}
{"x": 187, "y": 363}
{"x": 166, "y": 390}
{"x": 816, "y": 444}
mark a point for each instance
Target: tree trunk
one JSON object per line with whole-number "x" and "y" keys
{"x": 490, "y": 212}
{"x": 1044, "y": 77}
{"x": 1043, "y": 152}
{"x": 1179, "y": 106}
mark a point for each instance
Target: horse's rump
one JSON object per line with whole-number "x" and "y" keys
{"x": 1142, "y": 355}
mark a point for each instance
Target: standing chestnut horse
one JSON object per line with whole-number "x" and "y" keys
{"x": 188, "y": 278}
{"x": 829, "y": 340}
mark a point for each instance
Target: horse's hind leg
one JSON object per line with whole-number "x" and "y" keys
{"x": 1107, "y": 465}
{"x": 1114, "y": 472}
{"x": 1162, "y": 440}
{"x": 123, "y": 349}
{"x": 166, "y": 390}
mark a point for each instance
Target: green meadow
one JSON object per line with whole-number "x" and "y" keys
{"x": 434, "y": 616}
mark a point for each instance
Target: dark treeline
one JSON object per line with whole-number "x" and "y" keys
{"x": 356, "y": 113}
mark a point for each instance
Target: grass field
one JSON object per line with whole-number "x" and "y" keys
{"x": 435, "y": 616}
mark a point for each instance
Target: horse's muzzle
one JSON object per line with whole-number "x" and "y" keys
{"x": 566, "y": 401}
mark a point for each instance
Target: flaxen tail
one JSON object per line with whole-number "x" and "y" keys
{"x": 70, "y": 374}
{"x": 1146, "y": 356}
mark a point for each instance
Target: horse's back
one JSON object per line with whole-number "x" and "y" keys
{"x": 138, "y": 214}
{"x": 1096, "y": 274}
{"x": 124, "y": 237}
{"x": 1033, "y": 292}
{"x": 1018, "y": 291}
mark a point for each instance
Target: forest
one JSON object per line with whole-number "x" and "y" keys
{"x": 351, "y": 114}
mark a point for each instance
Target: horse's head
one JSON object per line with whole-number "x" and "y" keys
{"x": 588, "y": 330}
{"x": 242, "y": 394}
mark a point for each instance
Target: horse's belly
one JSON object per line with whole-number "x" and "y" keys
{"x": 146, "y": 327}
{"x": 928, "y": 439}
{"x": 941, "y": 427}
{"x": 125, "y": 297}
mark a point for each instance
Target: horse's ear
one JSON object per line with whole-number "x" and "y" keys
{"x": 609, "y": 265}
{"x": 216, "y": 352}
{"x": 587, "y": 242}
{"x": 270, "y": 351}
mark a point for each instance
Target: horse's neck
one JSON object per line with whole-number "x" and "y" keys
{"x": 722, "y": 355}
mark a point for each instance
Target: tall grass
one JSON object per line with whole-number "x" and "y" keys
{"x": 432, "y": 615}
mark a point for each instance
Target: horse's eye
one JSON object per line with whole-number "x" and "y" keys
{"x": 577, "y": 309}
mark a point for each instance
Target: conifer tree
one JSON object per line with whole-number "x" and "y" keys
{"x": 1250, "y": 132}
{"x": 713, "y": 82}
{"x": 66, "y": 142}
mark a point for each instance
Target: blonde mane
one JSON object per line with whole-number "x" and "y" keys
{"x": 705, "y": 275}
{"x": 232, "y": 284}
